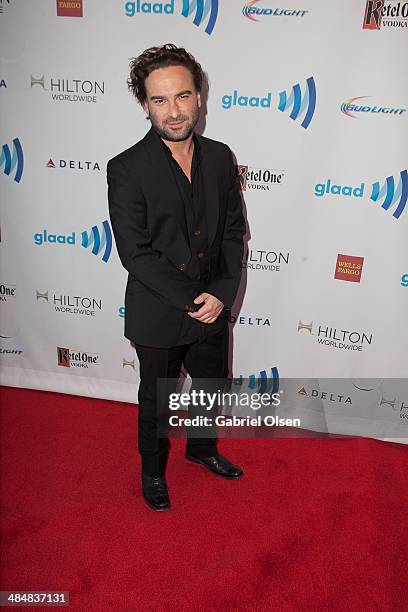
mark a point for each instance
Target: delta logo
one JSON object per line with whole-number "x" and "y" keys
{"x": 379, "y": 14}
{"x": 72, "y": 164}
{"x": 12, "y": 160}
{"x": 202, "y": 12}
{"x": 3, "y": 83}
{"x": 67, "y": 358}
{"x": 325, "y": 395}
{"x": 70, "y": 8}
{"x": 390, "y": 195}
{"x": 349, "y": 268}
{"x": 337, "y": 338}
{"x": 261, "y": 179}
{"x": 97, "y": 239}
{"x": 251, "y": 12}
{"x": 299, "y": 101}
{"x": 349, "y": 107}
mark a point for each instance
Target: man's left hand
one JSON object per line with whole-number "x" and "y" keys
{"x": 211, "y": 309}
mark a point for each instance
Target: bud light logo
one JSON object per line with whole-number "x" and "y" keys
{"x": 301, "y": 105}
{"x": 13, "y": 161}
{"x": 200, "y": 11}
{"x": 391, "y": 194}
{"x": 98, "y": 240}
{"x": 249, "y": 11}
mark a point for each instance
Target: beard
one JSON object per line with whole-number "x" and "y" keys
{"x": 164, "y": 131}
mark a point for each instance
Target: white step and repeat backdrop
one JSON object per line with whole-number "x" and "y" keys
{"x": 312, "y": 98}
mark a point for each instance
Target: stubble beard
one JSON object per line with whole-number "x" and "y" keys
{"x": 187, "y": 130}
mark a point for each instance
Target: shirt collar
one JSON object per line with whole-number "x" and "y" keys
{"x": 197, "y": 148}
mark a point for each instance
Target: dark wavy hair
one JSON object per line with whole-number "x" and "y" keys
{"x": 160, "y": 57}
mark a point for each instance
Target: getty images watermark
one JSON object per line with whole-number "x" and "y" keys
{"x": 208, "y": 401}
{"x": 221, "y": 407}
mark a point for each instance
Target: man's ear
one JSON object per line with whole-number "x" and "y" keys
{"x": 146, "y": 109}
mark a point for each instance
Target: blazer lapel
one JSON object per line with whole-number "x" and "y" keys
{"x": 169, "y": 193}
{"x": 211, "y": 194}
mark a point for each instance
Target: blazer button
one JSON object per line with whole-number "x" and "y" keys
{"x": 196, "y": 232}
{"x": 182, "y": 266}
{"x": 200, "y": 254}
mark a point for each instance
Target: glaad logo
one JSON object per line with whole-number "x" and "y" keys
{"x": 100, "y": 241}
{"x": 348, "y": 107}
{"x": 338, "y": 338}
{"x": 73, "y": 164}
{"x": 14, "y": 160}
{"x": 302, "y": 105}
{"x": 404, "y": 280}
{"x": 7, "y": 292}
{"x": 379, "y": 13}
{"x": 71, "y": 90}
{"x": 76, "y": 359}
{"x": 71, "y": 304}
{"x": 264, "y": 260}
{"x": 388, "y": 194}
{"x": 250, "y": 11}
{"x": 326, "y": 395}
{"x": 257, "y": 178}
{"x": 349, "y": 268}
{"x": 69, "y": 8}
{"x": 205, "y": 11}
{"x": 265, "y": 384}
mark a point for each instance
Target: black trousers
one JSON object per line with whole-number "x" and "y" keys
{"x": 204, "y": 358}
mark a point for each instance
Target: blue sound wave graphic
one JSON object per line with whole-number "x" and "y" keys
{"x": 13, "y": 160}
{"x": 201, "y": 8}
{"x": 265, "y": 384}
{"x": 99, "y": 240}
{"x": 300, "y": 104}
{"x": 392, "y": 195}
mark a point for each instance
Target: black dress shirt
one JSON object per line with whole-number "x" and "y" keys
{"x": 193, "y": 196}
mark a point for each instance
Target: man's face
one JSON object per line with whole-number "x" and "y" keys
{"x": 173, "y": 104}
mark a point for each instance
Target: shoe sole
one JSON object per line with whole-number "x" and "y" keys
{"x": 193, "y": 460}
{"x": 154, "y": 508}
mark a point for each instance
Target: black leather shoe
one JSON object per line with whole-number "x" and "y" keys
{"x": 217, "y": 464}
{"x": 155, "y": 492}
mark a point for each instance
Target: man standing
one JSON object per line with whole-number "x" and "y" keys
{"x": 176, "y": 214}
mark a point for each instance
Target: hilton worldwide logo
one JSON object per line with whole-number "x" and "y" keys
{"x": 69, "y": 90}
{"x": 70, "y": 304}
{"x": 336, "y": 337}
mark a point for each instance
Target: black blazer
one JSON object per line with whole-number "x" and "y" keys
{"x": 150, "y": 229}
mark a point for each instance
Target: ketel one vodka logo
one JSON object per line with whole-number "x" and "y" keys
{"x": 70, "y": 90}
{"x": 335, "y": 337}
{"x": 391, "y": 194}
{"x": 70, "y": 304}
{"x": 261, "y": 179}
{"x": 68, "y": 358}
{"x": 383, "y": 13}
{"x": 7, "y": 292}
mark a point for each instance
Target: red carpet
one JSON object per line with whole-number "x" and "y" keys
{"x": 315, "y": 524}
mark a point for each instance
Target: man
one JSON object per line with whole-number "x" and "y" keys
{"x": 176, "y": 214}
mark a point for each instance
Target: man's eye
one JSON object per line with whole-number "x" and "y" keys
{"x": 184, "y": 96}
{"x": 158, "y": 101}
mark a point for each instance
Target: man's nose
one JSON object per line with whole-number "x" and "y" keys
{"x": 174, "y": 108}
